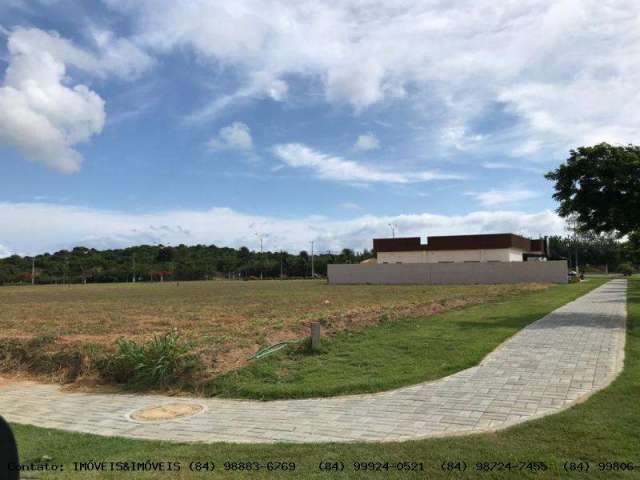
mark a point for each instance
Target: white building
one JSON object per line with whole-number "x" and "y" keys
{"x": 501, "y": 247}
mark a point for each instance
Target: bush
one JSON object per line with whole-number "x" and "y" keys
{"x": 161, "y": 362}
{"x": 626, "y": 269}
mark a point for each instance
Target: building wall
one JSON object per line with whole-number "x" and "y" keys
{"x": 456, "y": 256}
{"x": 450, "y": 273}
{"x": 515, "y": 255}
{"x": 419, "y": 256}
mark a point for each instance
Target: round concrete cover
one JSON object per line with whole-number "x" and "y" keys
{"x": 169, "y": 411}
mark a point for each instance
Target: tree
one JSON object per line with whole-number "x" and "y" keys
{"x": 600, "y": 185}
{"x": 593, "y": 250}
{"x": 632, "y": 247}
{"x": 165, "y": 254}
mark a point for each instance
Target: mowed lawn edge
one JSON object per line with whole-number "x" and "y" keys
{"x": 395, "y": 353}
{"x": 604, "y": 428}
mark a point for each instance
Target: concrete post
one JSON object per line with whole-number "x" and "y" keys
{"x": 315, "y": 336}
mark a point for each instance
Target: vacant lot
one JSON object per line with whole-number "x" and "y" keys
{"x": 603, "y": 430}
{"x": 226, "y": 321}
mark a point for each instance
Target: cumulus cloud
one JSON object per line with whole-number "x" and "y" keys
{"x": 236, "y": 136}
{"x": 510, "y": 196}
{"x": 65, "y": 226}
{"x": 328, "y": 167}
{"x": 41, "y": 115}
{"x": 546, "y": 63}
{"x": 366, "y": 142}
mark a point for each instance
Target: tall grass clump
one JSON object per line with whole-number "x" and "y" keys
{"x": 164, "y": 361}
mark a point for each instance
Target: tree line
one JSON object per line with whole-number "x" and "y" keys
{"x": 595, "y": 252}
{"x": 163, "y": 263}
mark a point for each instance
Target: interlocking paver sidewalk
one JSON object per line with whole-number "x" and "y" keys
{"x": 553, "y": 363}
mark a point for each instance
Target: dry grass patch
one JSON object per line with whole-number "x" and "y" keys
{"x": 59, "y": 331}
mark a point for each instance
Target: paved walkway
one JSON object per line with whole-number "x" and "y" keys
{"x": 550, "y": 365}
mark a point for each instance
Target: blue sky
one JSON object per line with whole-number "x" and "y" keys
{"x": 202, "y": 121}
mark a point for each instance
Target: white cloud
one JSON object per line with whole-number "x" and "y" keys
{"x": 458, "y": 137}
{"x": 511, "y": 166}
{"x": 113, "y": 56}
{"x": 527, "y": 148}
{"x": 510, "y": 196}
{"x": 277, "y": 90}
{"x": 41, "y": 115}
{"x": 236, "y": 136}
{"x": 65, "y": 226}
{"x": 118, "y": 56}
{"x": 366, "y": 142}
{"x": 338, "y": 169}
{"x": 546, "y": 62}
{"x": 5, "y": 252}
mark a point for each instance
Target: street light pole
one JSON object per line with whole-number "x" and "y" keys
{"x": 313, "y": 272}
{"x": 393, "y": 227}
{"x": 261, "y": 237}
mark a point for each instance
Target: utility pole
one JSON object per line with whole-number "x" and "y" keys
{"x": 393, "y": 227}
{"x": 33, "y": 271}
{"x": 313, "y": 272}
{"x": 261, "y": 237}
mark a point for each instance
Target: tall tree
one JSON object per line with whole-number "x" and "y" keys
{"x": 600, "y": 185}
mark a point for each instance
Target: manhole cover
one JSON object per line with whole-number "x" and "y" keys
{"x": 170, "y": 411}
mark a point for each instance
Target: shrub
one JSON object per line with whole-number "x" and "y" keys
{"x": 163, "y": 361}
{"x": 626, "y": 269}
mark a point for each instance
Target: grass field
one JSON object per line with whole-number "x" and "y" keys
{"x": 48, "y": 328}
{"x": 394, "y": 353}
{"x": 605, "y": 428}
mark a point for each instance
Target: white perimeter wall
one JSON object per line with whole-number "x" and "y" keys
{"x": 450, "y": 273}
{"x": 436, "y": 256}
